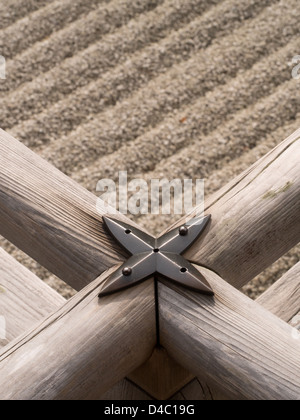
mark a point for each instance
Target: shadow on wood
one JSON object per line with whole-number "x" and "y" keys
{"x": 161, "y": 377}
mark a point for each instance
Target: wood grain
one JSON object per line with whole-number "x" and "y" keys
{"x": 60, "y": 227}
{"x": 161, "y": 377}
{"x": 255, "y": 218}
{"x": 283, "y": 298}
{"x": 84, "y": 348}
{"x": 198, "y": 390}
{"x": 125, "y": 391}
{"x": 38, "y": 300}
{"x": 24, "y": 298}
{"x": 55, "y": 221}
{"x": 231, "y": 341}
{"x": 295, "y": 323}
{"x": 51, "y": 218}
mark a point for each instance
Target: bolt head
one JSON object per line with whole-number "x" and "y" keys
{"x": 183, "y": 231}
{"x": 127, "y": 271}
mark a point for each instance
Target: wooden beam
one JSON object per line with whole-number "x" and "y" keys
{"x": 198, "y": 390}
{"x": 230, "y": 340}
{"x": 161, "y": 377}
{"x": 56, "y": 222}
{"x": 244, "y": 180}
{"x": 26, "y": 302}
{"x": 255, "y": 218}
{"x": 125, "y": 391}
{"x": 295, "y": 323}
{"x": 24, "y": 298}
{"x": 51, "y": 218}
{"x": 217, "y": 253}
{"x": 83, "y": 349}
{"x": 118, "y": 252}
{"x": 283, "y": 298}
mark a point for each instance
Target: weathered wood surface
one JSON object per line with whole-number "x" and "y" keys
{"x": 51, "y": 218}
{"x": 295, "y": 323}
{"x": 283, "y": 298}
{"x": 31, "y": 158}
{"x": 125, "y": 390}
{"x": 161, "y": 377}
{"x": 231, "y": 341}
{"x": 24, "y": 298}
{"x": 200, "y": 391}
{"x": 84, "y": 348}
{"x": 65, "y": 235}
{"x": 55, "y": 220}
{"x": 255, "y": 218}
{"x": 197, "y": 389}
{"x": 33, "y": 306}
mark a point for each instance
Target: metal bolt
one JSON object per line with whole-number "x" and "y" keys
{"x": 127, "y": 271}
{"x": 183, "y": 231}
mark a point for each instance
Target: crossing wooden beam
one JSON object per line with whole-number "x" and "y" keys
{"x": 52, "y": 218}
{"x": 84, "y": 348}
{"x": 24, "y": 299}
{"x": 230, "y": 340}
{"x": 57, "y": 222}
{"x": 255, "y": 218}
{"x": 283, "y": 298}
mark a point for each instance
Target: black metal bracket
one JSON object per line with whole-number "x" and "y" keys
{"x": 156, "y": 256}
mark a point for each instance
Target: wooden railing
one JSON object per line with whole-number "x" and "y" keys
{"x": 87, "y": 345}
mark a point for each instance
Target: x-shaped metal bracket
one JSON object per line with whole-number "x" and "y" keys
{"x": 156, "y": 256}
